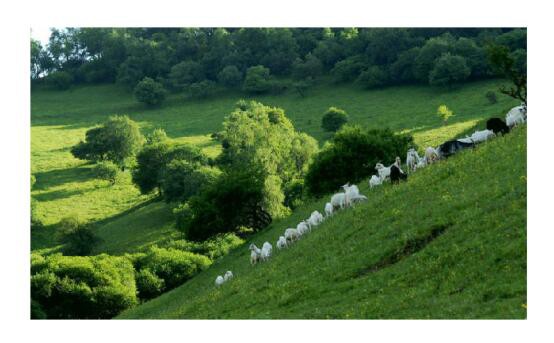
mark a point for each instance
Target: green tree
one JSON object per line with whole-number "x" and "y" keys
{"x": 257, "y": 80}
{"x": 185, "y": 73}
{"x": 230, "y": 76}
{"x": 151, "y": 161}
{"x": 311, "y": 67}
{"x": 505, "y": 64}
{"x": 157, "y": 136}
{"x": 348, "y": 69}
{"x": 183, "y": 179}
{"x": 79, "y": 239}
{"x": 372, "y": 77}
{"x": 149, "y": 92}
{"x": 444, "y": 113}
{"x": 60, "y": 80}
{"x": 107, "y": 171}
{"x": 202, "y": 89}
{"x": 449, "y": 70}
{"x": 333, "y": 119}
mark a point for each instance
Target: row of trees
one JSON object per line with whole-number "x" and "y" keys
{"x": 196, "y": 59}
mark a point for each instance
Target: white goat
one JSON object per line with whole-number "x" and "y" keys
{"x": 481, "y": 136}
{"x": 328, "y": 209}
{"x": 431, "y": 155}
{"x": 281, "y": 242}
{"x": 516, "y": 115}
{"x": 349, "y": 193}
{"x": 302, "y": 228}
{"x": 421, "y": 163}
{"x": 338, "y": 200}
{"x": 228, "y": 276}
{"x": 219, "y": 280}
{"x": 255, "y": 254}
{"x": 411, "y": 160}
{"x": 315, "y": 219}
{"x": 358, "y": 198}
{"x": 384, "y": 172}
{"x": 291, "y": 235}
{"x": 374, "y": 181}
{"x": 266, "y": 251}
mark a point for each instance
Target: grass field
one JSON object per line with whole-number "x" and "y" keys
{"x": 127, "y": 221}
{"x": 449, "y": 243}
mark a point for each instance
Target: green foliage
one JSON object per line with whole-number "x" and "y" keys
{"x": 213, "y": 248}
{"x": 449, "y": 70}
{"x": 202, "y": 89}
{"x": 444, "y": 113}
{"x": 511, "y": 66}
{"x": 172, "y": 265}
{"x": 70, "y": 287}
{"x": 117, "y": 140}
{"x": 348, "y": 69}
{"x": 333, "y": 119}
{"x": 257, "y": 80}
{"x": 230, "y": 76}
{"x": 151, "y": 162}
{"x": 183, "y": 179}
{"x": 150, "y": 92}
{"x": 186, "y": 73}
{"x": 157, "y": 136}
{"x": 309, "y": 68}
{"x": 373, "y": 77}
{"x": 79, "y": 238}
{"x": 491, "y": 97}
{"x": 351, "y": 155}
{"x": 60, "y": 80}
{"x": 107, "y": 171}
{"x": 148, "y": 284}
{"x": 36, "y": 311}
{"x": 293, "y": 193}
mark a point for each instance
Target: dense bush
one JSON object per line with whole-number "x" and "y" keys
{"x": 151, "y": 162}
{"x": 77, "y": 237}
{"x": 106, "y": 171}
{"x": 36, "y": 311}
{"x": 116, "y": 140}
{"x": 60, "y": 80}
{"x": 202, "y": 89}
{"x": 230, "y": 76}
{"x": 449, "y": 70}
{"x": 82, "y": 287}
{"x": 257, "y": 80}
{"x": 213, "y": 248}
{"x": 183, "y": 179}
{"x": 491, "y": 97}
{"x": 311, "y": 67}
{"x": 348, "y": 69}
{"x": 351, "y": 155}
{"x": 293, "y": 193}
{"x": 156, "y": 136}
{"x": 172, "y": 265}
{"x": 186, "y": 73}
{"x": 148, "y": 284}
{"x": 372, "y": 77}
{"x": 333, "y": 119}
{"x": 149, "y": 92}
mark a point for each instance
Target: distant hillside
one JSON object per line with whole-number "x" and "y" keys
{"x": 449, "y": 243}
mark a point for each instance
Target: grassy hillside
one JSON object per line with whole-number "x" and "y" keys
{"x": 449, "y": 243}
{"x": 66, "y": 186}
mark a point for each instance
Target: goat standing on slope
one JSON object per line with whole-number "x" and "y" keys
{"x": 255, "y": 254}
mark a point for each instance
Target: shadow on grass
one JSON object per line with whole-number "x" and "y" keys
{"x": 60, "y": 194}
{"x": 57, "y": 177}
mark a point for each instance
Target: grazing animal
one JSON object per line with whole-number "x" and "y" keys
{"x": 431, "y": 155}
{"x": 219, "y": 280}
{"x": 302, "y": 228}
{"x": 328, "y": 209}
{"x": 412, "y": 159}
{"x": 465, "y": 140}
{"x": 516, "y": 115}
{"x": 449, "y": 148}
{"x": 338, "y": 201}
{"x": 291, "y": 235}
{"x": 421, "y": 163}
{"x": 255, "y": 254}
{"x": 281, "y": 242}
{"x": 350, "y": 192}
{"x": 497, "y": 125}
{"x": 384, "y": 172}
{"x": 396, "y": 174}
{"x": 374, "y": 181}
{"x": 358, "y": 198}
{"x": 315, "y": 219}
{"x": 481, "y": 136}
{"x": 266, "y": 251}
{"x": 228, "y": 275}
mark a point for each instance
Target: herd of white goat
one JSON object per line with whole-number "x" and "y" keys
{"x": 351, "y": 194}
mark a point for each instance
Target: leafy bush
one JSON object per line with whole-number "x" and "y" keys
{"x": 60, "y": 80}
{"x": 351, "y": 155}
{"x": 202, "y": 89}
{"x": 172, "y": 265}
{"x": 334, "y": 119}
{"x": 491, "y": 97}
{"x": 348, "y": 69}
{"x": 449, "y": 70}
{"x": 230, "y": 76}
{"x": 310, "y": 68}
{"x": 79, "y": 239}
{"x": 36, "y": 311}
{"x": 157, "y": 136}
{"x": 150, "y": 92}
{"x": 278, "y": 86}
{"x": 293, "y": 193}
{"x": 106, "y": 171}
{"x": 372, "y": 77}
{"x": 257, "y": 80}
{"x": 82, "y": 286}
{"x": 444, "y": 113}
{"x": 185, "y": 73}
{"x": 183, "y": 179}
{"x": 148, "y": 284}
{"x": 213, "y": 248}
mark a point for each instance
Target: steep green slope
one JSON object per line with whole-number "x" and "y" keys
{"x": 449, "y": 243}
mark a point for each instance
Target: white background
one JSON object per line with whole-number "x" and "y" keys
{"x": 18, "y": 17}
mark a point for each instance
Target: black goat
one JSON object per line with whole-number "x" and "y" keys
{"x": 397, "y": 175}
{"x": 497, "y": 125}
{"x": 449, "y": 148}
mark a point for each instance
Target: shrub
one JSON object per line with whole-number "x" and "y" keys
{"x": 372, "y": 77}
{"x": 230, "y": 76}
{"x": 213, "y": 248}
{"x": 60, "y": 80}
{"x": 491, "y": 97}
{"x": 293, "y": 193}
{"x": 157, "y": 136}
{"x": 449, "y": 70}
{"x": 348, "y": 69}
{"x": 202, "y": 89}
{"x": 82, "y": 286}
{"x": 183, "y": 179}
{"x": 444, "y": 113}
{"x": 36, "y": 311}
{"x": 334, "y": 119}
{"x": 257, "y": 80}
{"x": 186, "y": 73}
{"x": 148, "y": 284}
{"x": 106, "y": 171}
{"x": 149, "y": 92}
{"x": 310, "y": 68}
{"x": 351, "y": 155}
{"x": 174, "y": 266}
{"x": 78, "y": 238}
